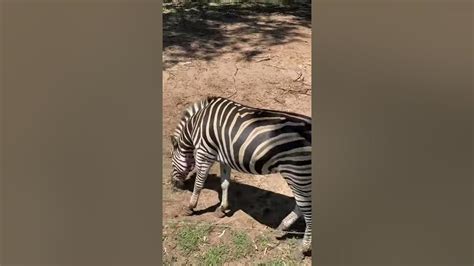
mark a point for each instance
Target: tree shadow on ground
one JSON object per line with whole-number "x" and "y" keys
{"x": 203, "y": 32}
{"x": 266, "y": 207}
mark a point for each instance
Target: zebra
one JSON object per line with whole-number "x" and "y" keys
{"x": 249, "y": 140}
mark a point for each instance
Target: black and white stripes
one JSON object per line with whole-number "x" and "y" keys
{"x": 249, "y": 140}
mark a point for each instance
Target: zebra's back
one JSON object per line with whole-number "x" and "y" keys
{"x": 256, "y": 141}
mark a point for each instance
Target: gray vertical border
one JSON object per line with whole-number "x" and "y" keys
{"x": 392, "y": 112}
{"x": 160, "y": 128}
{"x": 122, "y": 194}
{"x": 2, "y": 106}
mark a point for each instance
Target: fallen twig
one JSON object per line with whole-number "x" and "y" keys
{"x": 222, "y": 233}
{"x": 275, "y": 66}
{"x": 263, "y": 59}
{"x": 254, "y": 244}
{"x": 295, "y": 91}
{"x": 299, "y": 76}
{"x": 278, "y": 101}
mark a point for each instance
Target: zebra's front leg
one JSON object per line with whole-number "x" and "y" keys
{"x": 202, "y": 170}
{"x": 225, "y": 182}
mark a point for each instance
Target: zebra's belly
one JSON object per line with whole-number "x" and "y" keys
{"x": 247, "y": 171}
{"x": 265, "y": 167}
{"x": 239, "y": 167}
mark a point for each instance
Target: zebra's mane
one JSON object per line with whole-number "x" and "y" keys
{"x": 189, "y": 112}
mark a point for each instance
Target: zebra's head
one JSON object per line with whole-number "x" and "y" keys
{"x": 182, "y": 162}
{"x": 182, "y": 152}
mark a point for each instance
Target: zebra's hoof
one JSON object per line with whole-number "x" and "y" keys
{"x": 281, "y": 232}
{"x": 280, "y": 235}
{"x": 306, "y": 249}
{"x": 187, "y": 211}
{"x": 219, "y": 213}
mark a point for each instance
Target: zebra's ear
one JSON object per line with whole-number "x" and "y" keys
{"x": 174, "y": 142}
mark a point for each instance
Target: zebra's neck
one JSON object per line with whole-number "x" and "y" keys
{"x": 189, "y": 114}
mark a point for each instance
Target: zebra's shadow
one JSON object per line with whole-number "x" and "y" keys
{"x": 266, "y": 207}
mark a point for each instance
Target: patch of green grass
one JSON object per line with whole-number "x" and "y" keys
{"x": 172, "y": 225}
{"x": 277, "y": 262}
{"x": 216, "y": 255}
{"x": 293, "y": 242}
{"x": 264, "y": 241}
{"x": 242, "y": 244}
{"x": 190, "y": 237}
{"x": 290, "y": 248}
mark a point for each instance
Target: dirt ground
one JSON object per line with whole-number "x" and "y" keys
{"x": 258, "y": 56}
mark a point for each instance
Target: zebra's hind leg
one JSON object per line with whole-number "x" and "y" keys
{"x": 225, "y": 182}
{"x": 203, "y": 167}
{"x": 301, "y": 187}
{"x": 290, "y": 219}
{"x": 305, "y": 248}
